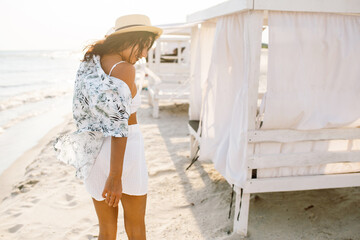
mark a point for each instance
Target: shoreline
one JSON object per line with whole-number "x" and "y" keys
{"x": 15, "y": 172}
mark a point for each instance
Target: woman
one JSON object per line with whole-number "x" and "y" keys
{"x": 107, "y": 149}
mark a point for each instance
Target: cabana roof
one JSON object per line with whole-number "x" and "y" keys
{"x": 177, "y": 28}
{"x": 232, "y": 6}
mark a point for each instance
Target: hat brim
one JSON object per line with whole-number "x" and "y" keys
{"x": 156, "y": 30}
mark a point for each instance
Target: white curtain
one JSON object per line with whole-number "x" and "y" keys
{"x": 201, "y": 48}
{"x": 224, "y": 111}
{"x": 313, "y": 83}
{"x": 314, "y": 64}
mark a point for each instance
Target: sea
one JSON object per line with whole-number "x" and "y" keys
{"x": 36, "y": 89}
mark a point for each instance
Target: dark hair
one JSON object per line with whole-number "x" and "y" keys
{"x": 118, "y": 42}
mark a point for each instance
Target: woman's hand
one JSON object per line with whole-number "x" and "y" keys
{"x": 112, "y": 190}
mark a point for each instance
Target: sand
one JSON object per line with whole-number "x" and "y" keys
{"x": 42, "y": 199}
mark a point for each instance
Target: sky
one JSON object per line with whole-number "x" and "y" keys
{"x": 72, "y": 24}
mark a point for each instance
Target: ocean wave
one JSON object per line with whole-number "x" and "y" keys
{"x": 62, "y": 54}
{"x": 33, "y": 96}
{"x": 16, "y": 85}
{"x": 21, "y": 118}
{"x": 42, "y": 53}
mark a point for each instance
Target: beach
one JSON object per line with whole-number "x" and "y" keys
{"x": 35, "y": 97}
{"x": 269, "y": 86}
{"x": 42, "y": 199}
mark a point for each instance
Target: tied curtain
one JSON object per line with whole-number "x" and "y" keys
{"x": 314, "y": 71}
{"x": 224, "y": 112}
{"x": 201, "y": 48}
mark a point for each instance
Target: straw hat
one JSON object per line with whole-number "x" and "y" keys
{"x": 134, "y": 23}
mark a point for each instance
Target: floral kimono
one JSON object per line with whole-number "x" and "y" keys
{"x": 101, "y": 108}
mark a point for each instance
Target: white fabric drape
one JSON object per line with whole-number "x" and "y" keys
{"x": 314, "y": 63}
{"x": 201, "y": 48}
{"x": 224, "y": 112}
{"x": 313, "y": 83}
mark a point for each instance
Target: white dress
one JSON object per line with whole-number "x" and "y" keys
{"x": 102, "y": 105}
{"x": 134, "y": 176}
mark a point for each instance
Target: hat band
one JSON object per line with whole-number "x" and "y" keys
{"x": 129, "y": 26}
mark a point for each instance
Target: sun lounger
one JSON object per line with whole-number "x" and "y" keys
{"x": 168, "y": 76}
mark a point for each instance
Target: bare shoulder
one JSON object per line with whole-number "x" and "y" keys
{"x": 126, "y": 72}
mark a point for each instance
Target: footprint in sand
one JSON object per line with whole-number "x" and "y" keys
{"x": 90, "y": 237}
{"x": 17, "y": 214}
{"x": 15, "y": 193}
{"x": 26, "y": 206}
{"x": 35, "y": 200}
{"x": 87, "y": 220}
{"x": 4, "y": 199}
{"x": 66, "y": 201}
{"x": 15, "y": 228}
{"x": 71, "y": 204}
{"x": 69, "y": 197}
{"x": 24, "y": 186}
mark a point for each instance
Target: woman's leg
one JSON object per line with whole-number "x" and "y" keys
{"x": 134, "y": 216}
{"x": 107, "y": 220}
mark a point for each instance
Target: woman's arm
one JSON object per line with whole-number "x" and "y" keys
{"x": 118, "y": 145}
{"x": 113, "y": 185}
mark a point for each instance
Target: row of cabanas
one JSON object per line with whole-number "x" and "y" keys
{"x": 168, "y": 66}
{"x": 303, "y": 131}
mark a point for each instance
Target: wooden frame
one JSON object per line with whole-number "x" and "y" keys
{"x": 333, "y": 6}
{"x": 222, "y": 9}
{"x": 292, "y": 183}
{"x": 233, "y": 6}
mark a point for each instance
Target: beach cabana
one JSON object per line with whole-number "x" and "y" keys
{"x": 168, "y": 66}
{"x": 297, "y": 127}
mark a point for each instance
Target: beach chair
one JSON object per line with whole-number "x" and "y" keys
{"x": 168, "y": 73}
{"x": 306, "y": 133}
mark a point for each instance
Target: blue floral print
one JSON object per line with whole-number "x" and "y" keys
{"x": 101, "y": 108}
